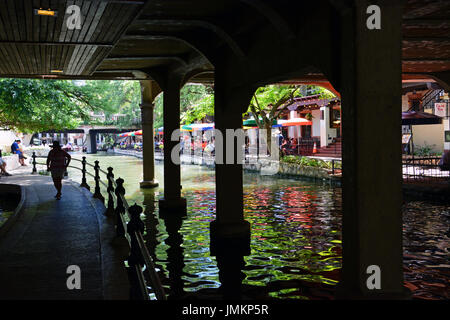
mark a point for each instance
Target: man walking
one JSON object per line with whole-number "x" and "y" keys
{"x": 57, "y": 165}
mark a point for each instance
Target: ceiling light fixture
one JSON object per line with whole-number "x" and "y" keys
{"x": 43, "y": 12}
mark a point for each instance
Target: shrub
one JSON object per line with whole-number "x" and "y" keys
{"x": 309, "y": 162}
{"x": 424, "y": 151}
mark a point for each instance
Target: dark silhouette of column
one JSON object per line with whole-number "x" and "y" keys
{"x": 92, "y": 142}
{"x": 151, "y": 223}
{"x": 149, "y": 91}
{"x": 172, "y": 200}
{"x": 230, "y": 233}
{"x": 370, "y": 84}
{"x": 175, "y": 256}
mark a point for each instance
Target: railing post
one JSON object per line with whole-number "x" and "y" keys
{"x": 97, "y": 193}
{"x": 120, "y": 209}
{"x": 135, "y": 225}
{"x": 34, "y": 163}
{"x": 110, "y": 210}
{"x": 83, "y": 179}
{"x": 135, "y": 259}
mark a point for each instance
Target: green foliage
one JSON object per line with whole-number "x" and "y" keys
{"x": 204, "y": 107}
{"x": 271, "y": 95}
{"x": 424, "y": 151}
{"x": 115, "y": 97}
{"x": 309, "y": 162}
{"x": 196, "y": 102}
{"x": 39, "y": 105}
{"x": 270, "y": 101}
{"x": 158, "y": 120}
{"x": 322, "y": 92}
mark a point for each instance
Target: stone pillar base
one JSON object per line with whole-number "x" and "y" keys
{"x": 173, "y": 205}
{"x": 234, "y": 236}
{"x": 149, "y": 184}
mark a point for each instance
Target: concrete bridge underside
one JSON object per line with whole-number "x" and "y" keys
{"x": 240, "y": 45}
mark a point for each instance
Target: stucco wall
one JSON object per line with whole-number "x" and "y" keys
{"x": 405, "y": 105}
{"x": 429, "y": 135}
{"x": 316, "y": 123}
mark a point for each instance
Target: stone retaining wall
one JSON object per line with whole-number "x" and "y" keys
{"x": 12, "y": 162}
{"x": 264, "y": 167}
{"x": 16, "y": 192}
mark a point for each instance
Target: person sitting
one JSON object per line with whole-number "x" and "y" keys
{"x": 294, "y": 146}
{"x": 285, "y": 147}
{"x": 16, "y": 149}
{"x": 3, "y": 165}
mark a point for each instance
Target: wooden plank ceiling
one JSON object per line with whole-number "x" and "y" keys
{"x": 33, "y": 44}
{"x": 124, "y": 39}
{"x": 426, "y": 36}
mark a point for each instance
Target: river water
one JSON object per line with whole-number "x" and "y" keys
{"x": 295, "y": 236}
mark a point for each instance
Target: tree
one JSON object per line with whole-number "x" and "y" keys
{"x": 201, "y": 109}
{"x": 116, "y": 97}
{"x": 267, "y": 105}
{"x": 269, "y": 102}
{"x": 40, "y": 105}
{"x": 196, "y": 102}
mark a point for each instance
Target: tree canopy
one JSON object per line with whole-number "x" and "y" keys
{"x": 39, "y": 105}
{"x": 116, "y": 98}
{"x": 196, "y": 102}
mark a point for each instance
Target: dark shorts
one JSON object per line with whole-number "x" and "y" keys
{"x": 57, "y": 172}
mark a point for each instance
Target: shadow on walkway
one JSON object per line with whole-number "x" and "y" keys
{"x": 49, "y": 235}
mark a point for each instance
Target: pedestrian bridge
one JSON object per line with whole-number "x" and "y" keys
{"x": 90, "y": 132}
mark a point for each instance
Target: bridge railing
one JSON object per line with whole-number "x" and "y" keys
{"x": 118, "y": 207}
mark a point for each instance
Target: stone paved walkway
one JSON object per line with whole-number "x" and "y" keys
{"x": 50, "y": 235}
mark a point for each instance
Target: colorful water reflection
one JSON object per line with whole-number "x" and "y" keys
{"x": 296, "y": 239}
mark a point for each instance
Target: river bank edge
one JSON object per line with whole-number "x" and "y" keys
{"x": 262, "y": 166}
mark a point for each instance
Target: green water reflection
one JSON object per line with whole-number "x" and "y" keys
{"x": 296, "y": 235}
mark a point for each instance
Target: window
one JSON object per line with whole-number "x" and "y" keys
{"x": 306, "y": 131}
{"x": 335, "y": 118}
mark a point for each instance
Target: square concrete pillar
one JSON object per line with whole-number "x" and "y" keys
{"x": 172, "y": 201}
{"x": 370, "y": 84}
{"x": 325, "y": 132}
{"x": 229, "y": 228}
{"x": 149, "y": 91}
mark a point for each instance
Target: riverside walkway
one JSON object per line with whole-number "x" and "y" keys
{"x": 48, "y": 236}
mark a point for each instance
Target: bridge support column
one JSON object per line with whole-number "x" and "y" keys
{"x": 172, "y": 201}
{"x": 229, "y": 233}
{"x": 91, "y": 141}
{"x": 149, "y": 91}
{"x": 370, "y": 84}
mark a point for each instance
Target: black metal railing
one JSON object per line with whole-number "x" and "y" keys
{"x": 430, "y": 98}
{"x": 424, "y": 170}
{"x": 132, "y": 231}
